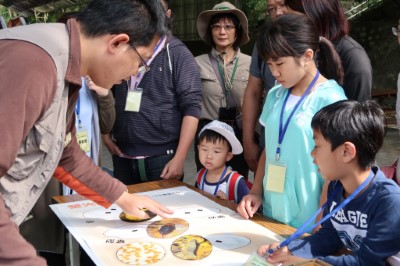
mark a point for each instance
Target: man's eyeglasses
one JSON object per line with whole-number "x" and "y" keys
{"x": 395, "y": 31}
{"x": 143, "y": 68}
{"x": 218, "y": 27}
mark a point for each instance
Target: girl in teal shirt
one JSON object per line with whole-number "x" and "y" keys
{"x": 287, "y": 183}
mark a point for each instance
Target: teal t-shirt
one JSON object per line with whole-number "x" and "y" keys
{"x": 303, "y": 183}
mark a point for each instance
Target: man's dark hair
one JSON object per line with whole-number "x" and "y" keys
{"x": 212, "y": 136}
{"x": 141, "y": 20}
{"x": 362, "y": 124}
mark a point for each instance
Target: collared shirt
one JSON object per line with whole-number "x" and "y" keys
{"x": 213, "y": 95}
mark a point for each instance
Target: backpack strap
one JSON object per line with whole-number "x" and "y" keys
{"x": 232, "y": 185}
{"x": 200, "y": 177}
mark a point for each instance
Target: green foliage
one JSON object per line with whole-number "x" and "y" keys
{"x": 255, "y": 11}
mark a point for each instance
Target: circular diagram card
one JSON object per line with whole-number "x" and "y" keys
{"x": 191, "y": 247}
{"x": 134, "y": 219}
{"x": 167, "y": 228}
{"x": 140, "y": 253}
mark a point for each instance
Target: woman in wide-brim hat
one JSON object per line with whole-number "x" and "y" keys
{"x": 224, "y": 70}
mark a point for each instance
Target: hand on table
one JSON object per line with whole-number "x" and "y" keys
{"x": 134, "y": 204}
{"x": 281, "y": 256}
{"x": 249, "y": 205}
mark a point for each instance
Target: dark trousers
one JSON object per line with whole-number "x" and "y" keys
{"x": 131, "y": 171}
{"x": 238, "y": 163}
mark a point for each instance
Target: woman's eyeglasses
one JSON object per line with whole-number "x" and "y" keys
{"x": 219, "y": 27}
{"x": 143, "y": 68}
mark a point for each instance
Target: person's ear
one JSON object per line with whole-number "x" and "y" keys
{"x": 349, "y": 151}
{"x": 117, "y": 41}
{"x": 229, "y": 156}
{"x": 308, "y": 55}
{"x": 168, "y": 13}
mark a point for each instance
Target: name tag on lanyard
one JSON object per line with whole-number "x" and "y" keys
{"x": 133, "y": 100}
{"x": 276, "y": 177}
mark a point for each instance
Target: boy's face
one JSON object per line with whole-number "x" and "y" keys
{"x": 214, "y": 155}
{"x": 326, "y": 160}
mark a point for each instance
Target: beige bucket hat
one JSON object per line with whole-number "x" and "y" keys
{"x": 222, "y": 8}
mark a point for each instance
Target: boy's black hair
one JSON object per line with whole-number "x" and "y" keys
{"x": 141, "y": 20}
{"x": 212, "y": 136}
{"x": 361, "y": 123}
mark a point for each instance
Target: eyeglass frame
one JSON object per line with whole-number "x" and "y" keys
{"x": 144, "y": 66}
{"x": 395, "y": 31}
{"x": 226, "y": 27}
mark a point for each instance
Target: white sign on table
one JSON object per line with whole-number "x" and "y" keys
{"x": 107, "y": 239}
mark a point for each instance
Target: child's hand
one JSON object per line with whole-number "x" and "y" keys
{"x": 281, "y": 256}
{"x": 221, "y": 195}
{"x": 249, "y": 205}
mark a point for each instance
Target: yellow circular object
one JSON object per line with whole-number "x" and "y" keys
{"x": 191, "y": 247}
{"x": 140, "y": 253}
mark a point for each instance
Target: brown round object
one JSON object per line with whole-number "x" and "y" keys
{"x": 167, "y": 228}
{"x": 134, "y": 219}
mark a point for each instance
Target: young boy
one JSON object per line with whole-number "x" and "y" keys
{"x": 347, "y": 136}
{"x": 217, "y": 145}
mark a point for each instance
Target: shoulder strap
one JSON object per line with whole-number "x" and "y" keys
{"x": 200, "y": 176}
{"x": 214, "y": 64}
{"x": 232, "y": 185}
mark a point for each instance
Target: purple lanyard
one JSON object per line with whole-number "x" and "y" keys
{"x": 282, "y": 131}
{"x": 219, "y": 182}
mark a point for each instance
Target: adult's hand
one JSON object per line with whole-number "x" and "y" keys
{"x": 173, "y": 169}
{"x": 110, "y": 144}
{"x": 134, "y": 204}
{"x": 92, "y": 86}
{"x": 251, "y": 154}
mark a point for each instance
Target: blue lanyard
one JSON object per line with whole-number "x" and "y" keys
{"x": 302, "y": 229}
{"x": 219, "y": 181}
{"x": 77, "y": 111}
{"x": 282, "y": 130}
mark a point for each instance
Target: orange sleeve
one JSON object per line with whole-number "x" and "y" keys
{"x": 67, "y": 179}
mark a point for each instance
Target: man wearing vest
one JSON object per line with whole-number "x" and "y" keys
{"x": 41, "y": 66}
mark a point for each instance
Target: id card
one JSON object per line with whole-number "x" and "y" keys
{"x": 256, "y": 260}
{"x": 133, "y": 100}
{"x": 83, "y": 140}
{"x": 276, "y": 177}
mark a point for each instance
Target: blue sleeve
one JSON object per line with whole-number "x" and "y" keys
{"x": 317, "y": 245}
{"x": 380, "y": 242}
{"x": 242, "y": 190}
{"x": 382, "y": 239}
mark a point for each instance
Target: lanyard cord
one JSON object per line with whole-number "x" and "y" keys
{"x": 77, "y": 111}
{"x": 228, "y": 84}
{"x": 283, "y": 128}
{"x": 302, "y": 229}
{"x": 219, "y": 181}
